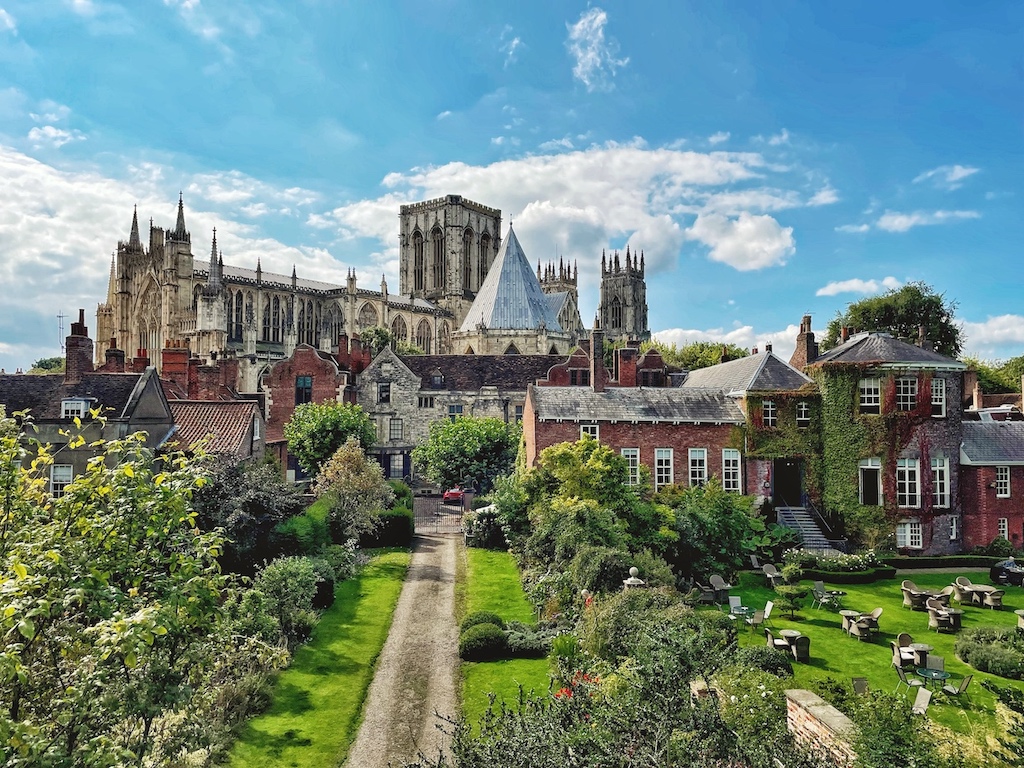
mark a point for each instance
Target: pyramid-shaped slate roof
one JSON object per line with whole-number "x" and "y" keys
{"x": 754, "y": 373}
{"x": 511, "y": 297}
{"x": 882, "y": 348}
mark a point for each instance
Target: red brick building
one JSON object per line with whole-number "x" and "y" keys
{"x": 992, "y": 481}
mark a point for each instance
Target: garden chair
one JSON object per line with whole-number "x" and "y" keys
{"x": 938, "y": 621}
{"x": 802, "y": 649}
{"x": 963, "y": 581}
{"x": 936, "y": 662}
{"x": 960, "y": 594}
{"x": 861, "y": 629}
{"x": 707, "y": 594}
{"x": 994, "y": 599}
{"x": 944, "y": 596}
{"x": 778, "y": 643}
{"x": 755, "y": 562}
{"x": 734, "y": 602}
{"x": 958, "y": 690}
{"x": 904, "y": 680}
{"x": 908, "y": 598}
{"x": 1020, "y": 619}
{"x": 924, "y": 696}
{"x": 901, "y": 648}
{"x": 721, "y": 588}
{"x": 756, "y": 620}
{"x": 908, "y": 584}
{"x": 772, "y": 574}
{"x": 860, "y": 685}
{"x": 823, "y": 598}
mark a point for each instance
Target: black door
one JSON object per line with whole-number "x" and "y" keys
{"x": 786, "y": 490}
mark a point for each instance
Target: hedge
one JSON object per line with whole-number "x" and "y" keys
{"x": 396, "y": 529}
{"x": 850, "y": 577}
{"x": 943, "y": 561}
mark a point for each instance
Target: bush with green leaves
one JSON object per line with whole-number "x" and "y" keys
{"x": 316, "y": 431}
{"x": 483, "y": 528}
{"x": 766, "y": 659}
{"x": 528, "y": 642}
{"x": 290, "y": 586}
{"x": 483, "y": 642}
{"x": 481, "y": 617}
{"x": 344, "y": 559}
{"x": 475, "y": 450}
{"x": 997, "y": 650}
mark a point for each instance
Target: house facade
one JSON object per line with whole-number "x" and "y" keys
{"x": 992, "y": 480}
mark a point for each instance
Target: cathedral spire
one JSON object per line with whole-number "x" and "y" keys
{"x": 213, "y": 283}
{"x": 112, "y": 283}
{"x": 259, "y": 271}
{"x": 180, "y": 233}
{"x": 134, "y": 242}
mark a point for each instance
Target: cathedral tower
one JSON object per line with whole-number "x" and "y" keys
{"x": 623, "y": 307}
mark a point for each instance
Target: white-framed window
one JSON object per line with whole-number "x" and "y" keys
{"x": 768, "y": 412}
{"x": 663, "y": 470}
{"x": 632, "y": 457}
{"x": 870, "y": 473}
{"x": 256, "y": 428}
{"x": 908, "y": 535}
{"x": 954, "y": 528}
{"x": 698, "y": 466}
{"x": 870, "y": 396}
{"x": 732, "y": 478}
{"x": 906, "y": 393}
{"x": 940, "y": 482}
{"x": 590, "y": 430}
{"x": 395, "y": 431}
{"x": 425, "y": 401}
{"x": 61, "y": 476}
{"x": 73, "y": 409}
{"x": 454, "y": 411}
{"x": 1002, "y": 482}
{"x": 803, "y": 414}
{"x": 1004, "y": 527}
{"x": 396, "y": 465}
{"x": 908, "y": 483}
{"x": 938, "y": 398}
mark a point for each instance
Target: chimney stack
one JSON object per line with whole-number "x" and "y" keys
{"x": 626, "y": 364}
{"x": 113, "y": 358}
{"x": 844, "y": 334}
{"x": 78, "y": 351}
{"x": 598, "y": 373}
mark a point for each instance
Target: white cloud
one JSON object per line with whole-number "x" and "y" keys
{"x": 824, "y": 196}
{"x": 992, "y": 337}
{"x": 50, "y": 135}
{"x": 783, "y": 342}
{"x": 50, "y": 111}
{"x": 595, "y": 57}
{"x": 779, "y": 138}
{"x": 7, "y": 23}
{"x": 893, "y": 221}
{"x": 718, "y": 138}
{"x": 856, "y": 285}
{"x": 563, "y": 143}
{"x": 853, "y": 228}
{"x": 746, "y": 243}
{"x": 443, "y": 115}
{"x": 83, "y": 7}
{"x": 948, "y": 177}
{"x": 510, "y": 45}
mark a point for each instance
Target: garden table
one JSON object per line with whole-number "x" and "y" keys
{"x": 932, "y": 675}
{"x": 848, "y": 618}
{"x": 920, "y": 653}
{"x": 741, "y": 612}
{"x": 955, "y": 617}
{"x": 837, "y": 597}
{"x": 791, "y": 635}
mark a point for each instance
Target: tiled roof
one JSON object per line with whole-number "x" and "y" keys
{"x": 224, "y": 424}
{"x": 881, "y": 348}
{"x": 992, "y": 442}
{"x": 42, "y": 395}
{"x": 761, "y": 372}
{"x": 511, "y": 297}
{"x": 468, "y": 373}
{"x": 640, "y": 404}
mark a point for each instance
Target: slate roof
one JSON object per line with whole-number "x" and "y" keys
{"x": 881, "y": 348}
{"x": 468, "y": 373}
{"x": 511, "y": 297}
{"x": 42, "y": 395}
{"x": 992, "y": 442}
{"x": 761, "y": 372}
{"x": 226, "y": 424}
{"x": 642, "y": 404}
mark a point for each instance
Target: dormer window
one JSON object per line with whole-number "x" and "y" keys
{"x": 74, "y": 408}
{"x": 436, "y": 380}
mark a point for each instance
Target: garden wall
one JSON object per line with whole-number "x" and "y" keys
{"x": 815, "y": 722}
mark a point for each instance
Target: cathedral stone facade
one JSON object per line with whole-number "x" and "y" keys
{"x": 161, "y": 295}
{"x": 623, "y": 308}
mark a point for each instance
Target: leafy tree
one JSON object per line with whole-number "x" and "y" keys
{"x": 48, "y": 365}
{"x": 408, "y": 348}
{"x": 355, "y": 489}
{"x": 317, "y": 430}
{"x": 1012, "y": 371}
{"x": 377, "y": 338}
{"x": 115, "y": 645}
{"x": 695, "y": 354}
{"x": 247, "y": 501}
{"x": 900, "y": 311}
{"x": 468, "y": 449}
{"x": 991, "y": 376}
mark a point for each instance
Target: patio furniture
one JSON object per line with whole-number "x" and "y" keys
{"x": 933, "y": 675}
{"x": 772, "y": 574}
{"x": 848, "y": 618}
{"x": 801, "y": 648}
{"x": 756, "y": 620}
{"x": 707, "y": 594}
{"x": 823, "y": 598}
{"x": 960, "y": 594}
{"x": 956, "y": 616}
{"x": 755, "y": 562}
{"x": 924, "y": 696}
{"x": 904, "y": 680}
{"x": 778, "y": 643}
{"x": 720, "y": 587}
{"x": 860, "y": 685}
{"x": 963, "y": 581}
{"x": 921, "y": 651}
{"x": 938, "y": 619}
{"x": 944, "y": 595}
{"x": 735, "y": 602}
{"x": 908, "y": 598}
{"x": 768, "y": 613}
{"x": 861, "y": 629}
{"x": 1020, "y": 619}
{"x": 957, "y": 690}
{"x": 937, "y": 662}
{"x": 994, "y": 599}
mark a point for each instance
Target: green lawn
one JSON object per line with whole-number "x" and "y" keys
{"x": 318, "y": 700}
{"x": 834, "y": 654}
{"x": 492, "y": 584}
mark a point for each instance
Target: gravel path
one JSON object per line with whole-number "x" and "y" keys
{"x": 417, "y": 669}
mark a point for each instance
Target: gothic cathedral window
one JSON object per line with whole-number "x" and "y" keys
{"x": 417, "y": 262}
{"x": 437, "y": 262}
{"x": 467, "y": 260}
{"x": 485, "y": 250}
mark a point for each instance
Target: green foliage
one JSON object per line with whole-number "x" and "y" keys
{"x": 405, "y": 348}
{"x": 999, "y": 547}
{"x": 992, "y": 377}
{"x": 997, "y": 650}
{"x": 468, "y": 449}
{"x": 483, "y": 529}
{"x": 46, "y": 365}
{"x": 790, "y": 598}
{"x": 889, "y": 735}
{"x": 694, "y": 354}
{"x": 1011, "y": 751}
{"x": 483, "y": 642}
{"x": 376, "y": 338}
{"x": 766, "y": 659}
{"x": 247, "y": 501}
{"x": 481, "y": 617}
{"x": 356, "y": 492}
{"x": 317, "y": 430}
{"x": 394, "y": 528}
{"x": 899, "y": 311}
{"x": 290, "y": 586}
{"x": 528, "y": 642}
{"x": 566, "y": 526}
{"x": 304, "y": 534}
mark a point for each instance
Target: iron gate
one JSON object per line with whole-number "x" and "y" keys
{"x": 434, "y": 516}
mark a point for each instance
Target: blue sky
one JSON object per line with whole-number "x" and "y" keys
{"x": 770, "y": 159}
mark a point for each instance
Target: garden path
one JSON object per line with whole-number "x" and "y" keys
{"x": 418, "y": 666}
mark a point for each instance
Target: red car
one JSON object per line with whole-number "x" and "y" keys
{"x": 453, "y": 496}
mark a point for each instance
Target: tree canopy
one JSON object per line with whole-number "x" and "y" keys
{"x": 317, "y": 430}
{"x": 468, "y": 449}
{"x": 695, "y": 354}
{"x": 899, "y": 311}
{"x": 48, "y": 365}
{"x": 356, "y": 491}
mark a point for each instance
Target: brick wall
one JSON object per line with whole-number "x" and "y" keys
{"x": 982, "y": 509}
{"x": 329, "y": 383}
{"x": 818, "y": 724}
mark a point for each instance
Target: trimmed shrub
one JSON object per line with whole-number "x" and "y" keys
{"x": 483, "y": 642}
{"x": 765, "y": 659}
{"x": 528, "y": 642}
{"x": 344, "y": 559}
{"x": 395, "y": 528}
{"x": 303, "y": 534}
{"x": 403, "y": 493}
{"x": 946, "y": 561}
{"x": 481, "y": 617}
{"x": 847, "y": 577}
{"x": 997, "y": 650}
{"x": 483, "y": 529}
{"x": 599, "y": 569}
